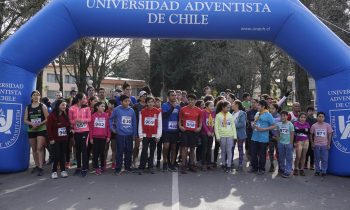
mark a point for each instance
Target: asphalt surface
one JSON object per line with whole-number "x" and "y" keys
{"x": 201, "y": 190}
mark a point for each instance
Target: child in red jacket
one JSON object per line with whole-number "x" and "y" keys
{"x": 57, "y": 129}
{"x": 150, "y": 131}
{"x": 99, "y": 135}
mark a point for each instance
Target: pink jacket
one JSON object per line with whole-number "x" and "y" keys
{"x": 82, "y": 114}
{"x": 99, "y": 126}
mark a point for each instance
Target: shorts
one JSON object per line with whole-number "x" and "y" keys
{"x": 302, "y": 145}
{"x": 33, "y": 135}
{"x": 189, "y": 139}
{"x": 171, "y": 138}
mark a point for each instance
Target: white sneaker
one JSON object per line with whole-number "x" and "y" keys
{"x": 54, "y": 175}
{"x": 64, "y": 174}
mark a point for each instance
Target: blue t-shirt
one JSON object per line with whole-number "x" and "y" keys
{"x": 284, "y": 131}
{"x": 265, "y": 120}
{"x": 170, "y": 119}
{"x": 132, "y": 99}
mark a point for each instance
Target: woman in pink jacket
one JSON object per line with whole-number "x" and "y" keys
{"x": 99, "y": 135}
{"x": 80, "y": 117}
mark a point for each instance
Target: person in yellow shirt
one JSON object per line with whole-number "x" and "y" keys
{"x": 225, "y": 132}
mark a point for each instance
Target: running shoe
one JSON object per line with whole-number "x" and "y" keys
{"x": 40, "y": 172}
{"x": 77, "y": 172}
{"x": 54, "y": 175}
{"x": 67, "y": 165}
{"x": 64, "y": 174}
{"x": 302, "y": 173}
{"x": 98, "y": 171}
{"x": 285, "y": 175}
{"x": 113, "y": 166}
{"x": 83, "y": 173}
{"x": 295, "y": 172}
{"x": 165, "y": 167}
{"x": 317, "y": 174}
{"x": 34, "y": 170}
{"x": 323, "y": 174}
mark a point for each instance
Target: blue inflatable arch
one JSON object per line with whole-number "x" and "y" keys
{"x": 286, "y": 23}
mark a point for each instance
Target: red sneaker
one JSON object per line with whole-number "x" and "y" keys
{"x": 98, "y": 171}
{"x": 68, "y": 165}
{"x": 113, "y": 166}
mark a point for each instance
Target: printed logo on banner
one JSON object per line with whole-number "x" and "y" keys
{"x": 10, "y": 124}
{"x": 340, "y": 122}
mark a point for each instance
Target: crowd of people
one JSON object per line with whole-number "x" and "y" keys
{"x": 182, "y": 133}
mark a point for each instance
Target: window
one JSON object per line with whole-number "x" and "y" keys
{"x": 51, "y": 94}
{"x": 68, "y": 79}
{"x": 51, "y": 78}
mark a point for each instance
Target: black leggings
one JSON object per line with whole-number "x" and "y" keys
{"x": 216, "y": 151}
{"x": 99, "y": 152}
{"x": 80, "y": 147}
{"x": 207, "y": 143}
{"x": 59, "y": 150}
{"x": 159, "y": 149}
{"x": 151, "y": 144}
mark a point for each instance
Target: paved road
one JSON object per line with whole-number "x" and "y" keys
{"x": 209, "y": 190}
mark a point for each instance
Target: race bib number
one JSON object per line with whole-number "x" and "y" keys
{"x": 172, "y": 125}
{"x": 284, "y": 130}
{"x": 207, "y": 122}
{"x": 36, "y": 121}
{"x": 126, "y": 120}
{"x": 100, "y": 123}
{"x": 190, "y": 124}
{"x": 81, "y": 125}
{"x": 62, "y": 131}
{"x": 150, "y": 121}
{"x": 321, "y": 133}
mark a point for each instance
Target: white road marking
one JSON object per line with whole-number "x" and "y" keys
{"x": 175, "y": 192}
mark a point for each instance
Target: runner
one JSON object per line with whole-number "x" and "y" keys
{"x": 273, "y": 142}
{"x": 246, "y": 101}
{"x": 90, "y": 92}
{"x": 250, "y": 122}
{"x": 321, "y": 135}
{"x": 190, "y": 124}
{"x": 302, "y": 134}
{"x": 102, "y": 96}
{"x": 208, "y": 120}
{"x": 201, "y": 105}
{"x": 123, "y": 123}
{"x": 150, "y": 131}
{"x": 240, "y": 119}
{"x": 111, "y": 106}
{"x": 99, "y": 135}
{"x": 80, "y": 117}
{"x": 138, "y": 108}
{"x": 310, "y": 152}
{"x": 225, "y": 132}
{"x": 294, "y": 114}
{"x": 217, "y": 141}
{"x": 170, "y": 114}
{"x": 285, "y": 145}
{"x": 263, "y": 123}
{"x": 36, "y": 117}
{"x": 58, "y": 129}
{"x": 92, "y": 102}
{"x": 126, "y": 91}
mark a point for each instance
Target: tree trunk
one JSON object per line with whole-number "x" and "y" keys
{"x": 39, "y": 82}
{"x": 265, "y": 82}
{"x": 303, "y": 95}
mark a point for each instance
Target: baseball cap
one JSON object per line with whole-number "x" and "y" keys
{"x": 142, "y": 93}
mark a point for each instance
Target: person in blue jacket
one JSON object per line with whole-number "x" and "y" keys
{"x": 126, "y": 91}
{"x": 126, "y": 130}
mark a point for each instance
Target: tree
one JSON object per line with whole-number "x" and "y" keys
{"x": 14, "y": 14}
{"x": 138, "y": 64}
{"x": 80, "y": 56}
{"x": 109, "y": 53}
